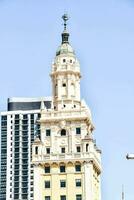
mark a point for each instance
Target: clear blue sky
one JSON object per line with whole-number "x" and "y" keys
{"x": 102, "y": 34}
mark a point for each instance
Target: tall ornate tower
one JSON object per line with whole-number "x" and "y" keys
{"x": 65, "y": 75}
{"x": 67, "y": 163}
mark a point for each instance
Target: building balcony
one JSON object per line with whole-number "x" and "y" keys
{"x": 66, "y": 114}
{"x": 73, "y": 157}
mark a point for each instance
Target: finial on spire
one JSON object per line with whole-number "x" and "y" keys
{"x": 65, "y": 34}
{"x": 65, "y": 18}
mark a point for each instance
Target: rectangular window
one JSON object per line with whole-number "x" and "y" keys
{"x": 78, "y": 130}
{"x": 4, "y": 117}
{"x": 25, "y": 116}
{"x": 63, "y": 197}
{"x": 47, "y": 169}
{"x": 62, "y": 169}
{"x": 78, "y": 149}
{"x": 32, "y": 116}
{"x": 48, "y": 132}
{"x": 78, "y": 182}
{"x": 62, "y": 183}
{"x": 78, "y": 168}
{"x": 48, "y": 150}
{"x": 78, "y": 197}
{"x": 16, "y": 116}
{"x": 47, "y": 198}
{"x": 63, "y": 150}
{"x": 47, "y": 184}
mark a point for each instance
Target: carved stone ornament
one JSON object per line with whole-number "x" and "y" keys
{"x": 77, "y": 140}
{"x": 47, "y": 143}
{"x": 63, "y": 142}
{"x": 62, "y": 124}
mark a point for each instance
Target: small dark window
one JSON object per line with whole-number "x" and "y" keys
{"x": 64, "y": 60}
{"x": 39, "y": 115}
{"x": 78, "y": 149}
{"x": 77, "y": 167}
{"x": 16, "y": 116}
{"x": 78, "y": 131}
{"x": 32, "y": 116}
{"x": 62, "y": 183}
{"x": 74, "y": 106}
{"x": 87, "y": 147}
{"x": 62, "y": 168}
{"x": 71, "y": 61}
{"x": 64, "y": 105}
{"x": 47, "y": 169}
{"x": 78, "y": 197}
{"x": 48, "y": 132}
{"x": 47, "y": 184}
{"x": 47, "y": 198}
{"x": 48, "y": 150}
{"x": 63, "y": 197}
{"x": 36, "y": 150}
{"x": 63, "y": 132}
{"x": 63, "y": 150}
{"x": 64, "y": 84}
{"x": 25, "y": 116}
{"x": 78, "y": 182}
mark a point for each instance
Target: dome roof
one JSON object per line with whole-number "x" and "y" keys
{"x": 64, "y": 48}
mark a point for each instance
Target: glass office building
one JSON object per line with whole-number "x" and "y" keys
{"x": 18, "y": 129}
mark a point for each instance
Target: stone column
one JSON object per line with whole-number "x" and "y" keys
{"x": 88, "y": 180}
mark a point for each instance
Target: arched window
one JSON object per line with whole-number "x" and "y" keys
{"x": 63, "y": 132}
{"x": 72, "y": 89}
{"x": 64, "y": 88}
{"x": 36, "y": 150}
{"x": 87, "y": 145}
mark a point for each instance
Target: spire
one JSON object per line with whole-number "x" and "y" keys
{"x": 65, "y": 34}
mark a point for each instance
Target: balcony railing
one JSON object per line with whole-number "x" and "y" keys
{"x": 68, "y": 156}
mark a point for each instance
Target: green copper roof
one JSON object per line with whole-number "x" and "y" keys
{"x": 65, "y": 48}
